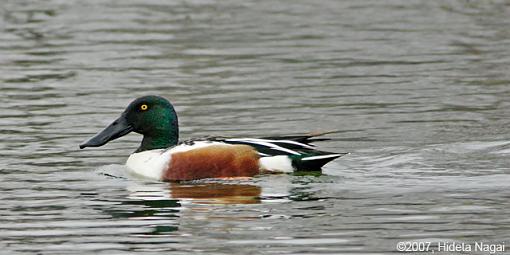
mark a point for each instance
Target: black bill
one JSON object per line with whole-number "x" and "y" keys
{"x": 118, "y": 128}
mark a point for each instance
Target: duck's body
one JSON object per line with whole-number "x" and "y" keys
{"x": 161, "y": 157}
{"x": 233, "y": 157}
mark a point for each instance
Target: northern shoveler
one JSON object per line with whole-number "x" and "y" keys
{"x": 161, "y": 156}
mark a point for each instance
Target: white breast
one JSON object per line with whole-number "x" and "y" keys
{"x": 149, "y": 164}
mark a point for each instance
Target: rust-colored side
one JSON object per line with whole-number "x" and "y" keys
{"x": 215, "y": 161}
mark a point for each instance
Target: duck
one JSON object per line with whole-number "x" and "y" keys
{"x": 161, "y": 156}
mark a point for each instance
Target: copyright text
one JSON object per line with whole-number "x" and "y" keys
{"x": 447, "y": 246}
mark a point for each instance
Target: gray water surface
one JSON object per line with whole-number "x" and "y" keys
{"x": 418, "y": 91}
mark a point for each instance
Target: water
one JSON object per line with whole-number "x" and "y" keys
{"x": 418, "y": 91}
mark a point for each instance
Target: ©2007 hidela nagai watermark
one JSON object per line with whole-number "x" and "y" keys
{"x": 451, "y": 246}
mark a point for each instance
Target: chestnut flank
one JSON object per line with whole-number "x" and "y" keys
{"x": 215, "y": 161}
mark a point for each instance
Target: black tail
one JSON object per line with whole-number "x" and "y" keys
{"x": 315, "y": 162}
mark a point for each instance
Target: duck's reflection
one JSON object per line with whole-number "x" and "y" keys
{"x": 216, "y": 193}
{"x": 197, "y": 193}
{"x": 178, "y": 209}
{"x": 165, "y": 206}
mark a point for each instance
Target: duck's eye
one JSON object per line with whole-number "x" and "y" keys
{"x": 144, "y": 107}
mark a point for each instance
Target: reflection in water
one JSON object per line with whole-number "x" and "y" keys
{"x": 217, "y": 193}
{"x": 159, "y": 205}
{"x": 199, "y": 193}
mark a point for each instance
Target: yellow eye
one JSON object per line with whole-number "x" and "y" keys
{"x": 144, "y": 107}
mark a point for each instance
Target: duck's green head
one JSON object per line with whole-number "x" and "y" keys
{"x": 152, "y": 116}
